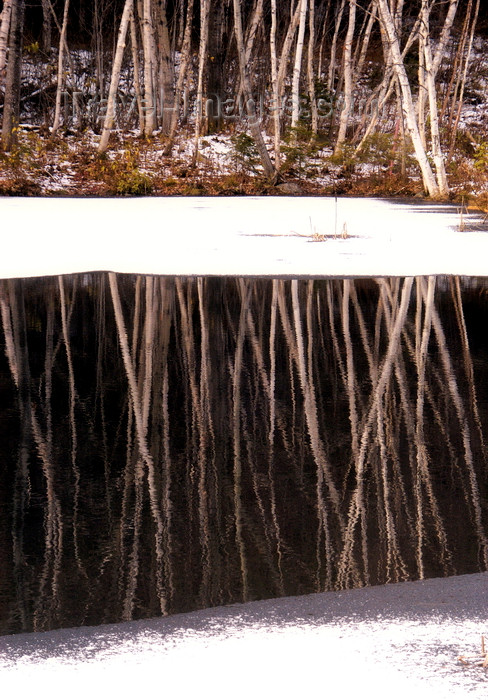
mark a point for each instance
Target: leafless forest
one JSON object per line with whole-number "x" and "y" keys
{"x": 381, "y": 82}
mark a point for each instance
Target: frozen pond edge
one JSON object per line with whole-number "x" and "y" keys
{"x": 241, "y": 236}
{"x": 403, "y": 638}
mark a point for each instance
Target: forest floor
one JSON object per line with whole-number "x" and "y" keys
{"x": 68, "y": 164}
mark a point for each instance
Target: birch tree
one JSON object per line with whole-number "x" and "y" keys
{"x": 149, "y": 66}
{"x": 184, "y": 63}
{"x": 408, "y": 107}
{"x": 432, "y": 95}
{"x": 348, "y": 77}
{"x": 295, "y": 95}
{"x": 59, "y": 89}
{"x": 4, "y": 28}
{"x": 11, "y": 103}
{"x": 276, "y": 110}
{"x": 204, "y": 21}
{"x": 269, "y": 169}
{"x": 114, "y": 82}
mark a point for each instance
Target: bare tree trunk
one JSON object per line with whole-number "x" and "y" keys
{"x": 184, "y": 62}
{"x": 407, "y": 101}
{"x": 333, "y": 48}
{"x": 269, "y": 169}
{"x": 348, "y": 77}
{"x": 274, "y": 83}
{"x": 204, "y": 21}
{"x": 295, "y": 93}
{"x": 4, "y": 29}
{"x": 311, "y": 71}
{"x": 136, "y": 66}
{"x": 149, "y": 69}
{"x": 46, "y": 27}
{"x": 62, "y": 42}
{"x": 114, "y": 81}
{"x": 432, "y": 93}
{"x": 285, "y": 51}
{"x": 453, "y": 129}
{"x": 166, "y": 68}
{"x": 11, "y": 102}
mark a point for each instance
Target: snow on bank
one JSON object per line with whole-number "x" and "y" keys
{"x": 386, "y": 641}
{"x": 275, "y": 236}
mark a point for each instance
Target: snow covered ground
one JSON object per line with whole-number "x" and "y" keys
{"x": 399, "y": 640}
{"x": 277, "y": 236}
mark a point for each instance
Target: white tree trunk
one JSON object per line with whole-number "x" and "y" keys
{"x": 114, "y": 81}
{"x": 62, "y": 43}
{"x": 333, "y": 48}
{"x": 444, "y": 37}
{"x": 166, "y": 70}
{"x": 204, "y": 24}
{"x": 295, "y": 93}
{"x": 311, "y": 71}
{"x": 4, "y": 27}
{"x": 184, "y": 62}
{"x": 386, "y": 18}
{"x": 149, "y": 69}
{"x": 274, "y": 83}
{"x": 348, "y": 77}
{"x": 14, "y": 68}
{"x": 285, "y": 51}
{"x": 432, "y": 94}
{"x": 137, "y": 77}
{"x": 268, "y": 167}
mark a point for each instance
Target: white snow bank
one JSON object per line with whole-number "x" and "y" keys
{"x": 400, "y": 640}
{"x": 276, "y": 236}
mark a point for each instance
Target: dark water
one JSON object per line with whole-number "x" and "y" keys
{"x": 171, "y": 444}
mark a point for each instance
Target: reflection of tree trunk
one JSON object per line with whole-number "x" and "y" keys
{"x": 357, "y": 507}
{"x": 236, "y": 436}
{"x": 468, "y": 363}
{"x": 324, "y": 475}
{"x": 450, "y": 378}
{"x": 72, "y": 418}
{"x": 141, "y": 435}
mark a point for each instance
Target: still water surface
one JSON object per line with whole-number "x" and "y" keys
{"x": 170, "y": 444}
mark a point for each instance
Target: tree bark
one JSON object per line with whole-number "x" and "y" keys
{"x": 432, "y": 94}
{"x": 11, "y": 104}
{"x": 184, "y": 62}
{"x": 204, "y": 20}
{"x": 348, "y": 77}
{"x": 149, "y": 69}
{"x": 269, "y": 169}
{"x": 4, "y": 29}
{"x": 114, "y": 81}
{"x": 276, "y": 107}
{"x": 386, "y": 18}
{"x": 46, "y": 27}
{"x": 295, "y": 94}
{"x": 166, "y": 68}
{"x": 62, "y": 42}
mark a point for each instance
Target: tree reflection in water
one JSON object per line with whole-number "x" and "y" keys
{"x": 170, "y": 444}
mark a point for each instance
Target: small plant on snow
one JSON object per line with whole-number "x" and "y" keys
{"x": 481, "y": 157}
{"x": 298, "y": 148}
{"x": 244, "y": 153}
